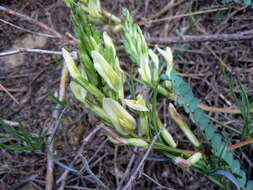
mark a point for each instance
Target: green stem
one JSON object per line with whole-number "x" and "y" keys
{"x": 224, "y": 125}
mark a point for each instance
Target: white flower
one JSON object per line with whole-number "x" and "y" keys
{"x": 106, "y": 71}
{"x": 138, "y": 104}
{"x": 144, "y": 69}
{"x": 168, "y": 56}
{"x": 155, "y": 65}
{"x": 123, "y": 122}
{"x": 72, "y": 68}
{"x": 79, "y": 92}
{"x": 109, "y": 44}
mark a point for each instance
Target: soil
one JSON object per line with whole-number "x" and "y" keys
{"x": 32, "y": 78}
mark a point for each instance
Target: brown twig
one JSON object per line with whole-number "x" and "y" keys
{"x": 63, "y": 177}
{"x": 213, "y": 109}
{"x": 246, "y": 35}
{"x": 22, "y": 89}
{"x": 157, "y": 183}
{"x": 130, "y": 163}
{"x": 9, "y": 94}
{"x": 217, "y": 57}
{"x": 38, "y": 24}
{"x": 240, "y": 144}
{"x": 221, "y": 110}
{"x": 33, "y": 21}
{"x": 140, "y": 165}
{"x": 169, "y": 6}
{"x": 26, "y": 30}
{"x": 29, "y": 50}
{"x": 183, "y": 15}
{"x": 55, "y": 115}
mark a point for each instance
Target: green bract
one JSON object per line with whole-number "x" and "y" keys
{"x": 106, "y": 71}
{"x": 138, "y": 104}
{"x": 123, "y": 122}
{"x": 72, "y": 68}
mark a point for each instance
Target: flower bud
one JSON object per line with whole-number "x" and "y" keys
{"x": 72, "y": 68}
{"x": 109, "y": 44}
{"x": 136, "y": 142}
{"x": 123, "y": 122}
{"x": 167, "y": 55}
{"x": 155, "y": 65}
{"x": 190, "y": 161}
{"x": 94, "y": 8}
{"x": 138, "y": 104}
{"x": 79, "y": 92}
{"x": 106, "y": 71}
{"x": 166, "y": 134}
{"x": 144, "y": 125}
{"x": 94, "y": 44}
{"x": 144, "y": 69}
{"x": 68, "y": 3}
{"x": 175, "y": 116}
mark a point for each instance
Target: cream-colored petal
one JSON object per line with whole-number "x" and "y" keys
{"x": 72, "y": 68}
{"x": 106, "y": 71}
{"x": 79, "y": 92}
{"x": 154, "y": 58}
{"x": 138, "y": 104}
{"x": 109, "y": 43}
{"x": 144, "y": 69}
{"x": 123, "y": 122}
{"x": 167, "y": 54}
{"x": 132, "y": 104}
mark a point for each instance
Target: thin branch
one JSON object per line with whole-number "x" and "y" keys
{"x": 38, "y": 24}
{"x": 154, "y": 181}
{"x": 63, "y": 177}
{"x": 183, "y": 15}
{"x": 33, "y": 21}
{"x": 169, "y": 6}
{"x": 130, "y": 163}
{"x": 246, "y": 35}
{"x": 22, "y": 89}
{"x": 55, "y": 114}
{"x": 26, "y": 30}
{"x": 9, "y": 94}
{"x": 213, "y": 109}
{"x": 240, "y": 144}
{"x": 133, "y": 177}
{"x": 29, "y": 50}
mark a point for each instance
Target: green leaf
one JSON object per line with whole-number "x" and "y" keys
{"x": 189, "y": 97}
{"x": 221, "y": 149}
{"x": 180, "y": 100}
{"x": 186, "y": 108}
{"x": 164, "y": 77}
{"x": 249, "y": 185}
{"x": 247, "y": 2}
{"x": 216, "y": 142}
{"x": 185, "y": 99}
{"x": 203, "y": 123}
{"x": 242, "y": 179}
{"x": 229, "y": 176}
{"x": 183, "y": 88}
{"x": 197, "y": 115}
{"x": 236, "y": 166}
{"x": 229, "y": 158}
{"x": 16, "y": 147}
{"x": 209, "y": 131}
